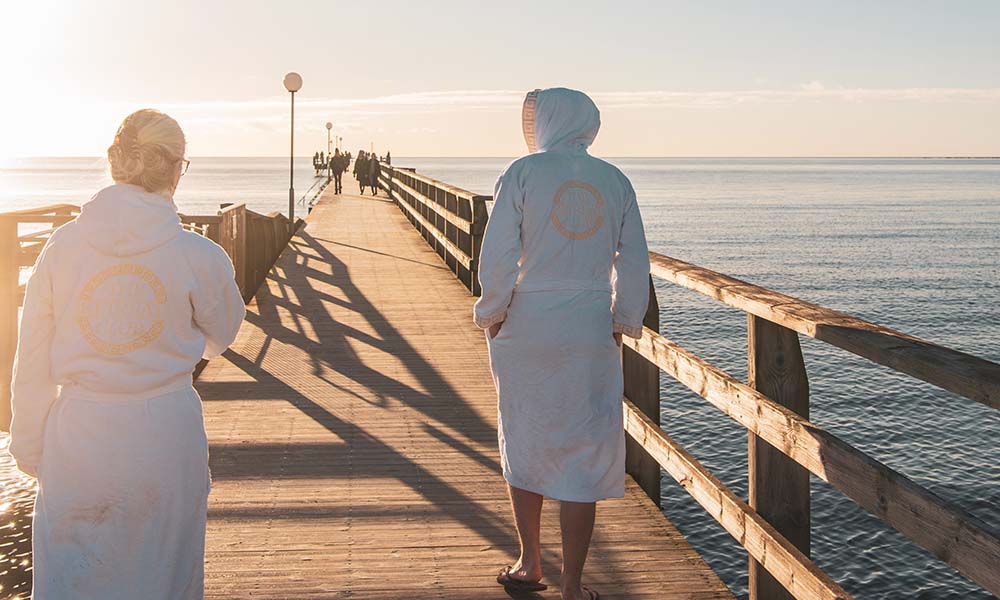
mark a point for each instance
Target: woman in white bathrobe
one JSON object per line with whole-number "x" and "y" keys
{"x": 120, "y": 307}
{"x": 564, "y": 271}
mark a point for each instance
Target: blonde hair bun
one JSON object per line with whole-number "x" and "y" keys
{"x": 146, "y": 150}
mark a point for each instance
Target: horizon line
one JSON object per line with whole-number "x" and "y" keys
{"x": 629, "y": 156}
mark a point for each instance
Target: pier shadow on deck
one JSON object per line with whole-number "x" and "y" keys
{"x": 352, "y": 430}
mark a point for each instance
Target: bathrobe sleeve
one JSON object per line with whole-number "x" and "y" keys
{"x": 218, "y": 305}
{"x": 33, "y": 389}
{"x": 498, "y": 260}
{"x": 631, "y": 273}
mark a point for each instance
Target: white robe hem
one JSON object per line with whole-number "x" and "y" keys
{"x": 561, "y": 496}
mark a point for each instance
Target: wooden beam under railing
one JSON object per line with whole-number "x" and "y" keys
{"x": 942, "y": 528}
{"x": 789, "y": 566}
{"x": 453, "y": 249}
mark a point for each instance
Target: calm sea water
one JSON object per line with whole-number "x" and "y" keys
{"x": 913, "y": 244}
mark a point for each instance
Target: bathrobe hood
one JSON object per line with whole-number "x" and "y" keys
{"x": 124, "y": 220}
{"x": 559, "y": 120}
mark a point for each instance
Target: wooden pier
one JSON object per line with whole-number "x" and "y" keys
{"x": 353, "y": 438}
{"x": 353, "y": 422}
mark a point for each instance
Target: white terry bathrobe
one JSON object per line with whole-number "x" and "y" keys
{"x": 564, "y": 264}
{"x": 121, "y": 305}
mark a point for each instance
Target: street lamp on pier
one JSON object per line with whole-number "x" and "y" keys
{"x": 329, "y": 174}
{"x": 293, "y": 83}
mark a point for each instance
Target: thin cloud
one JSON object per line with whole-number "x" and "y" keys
{"x": 269, "y": 113}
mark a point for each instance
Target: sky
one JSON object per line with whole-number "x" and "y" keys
{"x": 446, "y": 78}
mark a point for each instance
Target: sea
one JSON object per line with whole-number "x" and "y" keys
{"x": 909, "y": 243}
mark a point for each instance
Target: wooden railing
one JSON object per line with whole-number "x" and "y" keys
{"x": 451, "y": 219}
{"x": 253, "y": 242}
{"x": 784, "y": 445}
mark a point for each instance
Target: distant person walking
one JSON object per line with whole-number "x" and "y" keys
{"x": 361, "y": 170}
{"x": 120, "y": 307}
{"x": 564, "y": 272}
{"x": 388, "y": 158}
{"x": 374, "y": 170}
{"x": 338, "y": 164}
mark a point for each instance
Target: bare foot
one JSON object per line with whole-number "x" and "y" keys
{"x": 525, "y": 571}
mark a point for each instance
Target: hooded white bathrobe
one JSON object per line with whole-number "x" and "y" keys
{"x": 121, "y": 305}
{"x": 563, "y": 265}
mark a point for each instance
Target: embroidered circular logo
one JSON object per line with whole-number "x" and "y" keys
{"x": 119, "y": 310}
{"x": 579, "y": 210}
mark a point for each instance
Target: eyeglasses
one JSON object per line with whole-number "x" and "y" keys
{"x": 185, "y": 163}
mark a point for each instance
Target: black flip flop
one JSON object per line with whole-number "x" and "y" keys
{"x": 519, "y": 585}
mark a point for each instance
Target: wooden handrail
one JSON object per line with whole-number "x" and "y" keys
{"x": 52, "y": 209}
{"x": 970, "y": 376}
{"x": 41, "y": 219}
{"x": 453, "y": 218}
{"x": 201, "y": 219}
{"x": 34, "y": 235}
{"x": 461, "y": 193}
{"x": 453, "y": 249}
{"x": 950, "y": 533}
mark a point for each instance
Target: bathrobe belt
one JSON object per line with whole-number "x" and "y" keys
{"x": 563, "y": 285}
{"x": 74, "y": 391}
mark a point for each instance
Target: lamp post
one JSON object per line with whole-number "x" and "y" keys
{"x": 329, "y": 174}
{"x": 293, "y": 83}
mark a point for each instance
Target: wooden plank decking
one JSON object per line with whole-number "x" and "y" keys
{"x": 353, "y": 441}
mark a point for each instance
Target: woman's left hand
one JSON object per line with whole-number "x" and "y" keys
{"x": 618, "y": 338}
{"x": 495, "y": 329}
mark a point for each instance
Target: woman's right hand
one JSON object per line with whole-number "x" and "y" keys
{"x": 494, "y": 330}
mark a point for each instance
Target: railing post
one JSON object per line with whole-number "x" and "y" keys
{"x": 233, "y": 240}
{"x": 779, "y": 487}
{"x": 642, "y": 387}
{"x": 479, "y": 218}
{"x": 10, "y": 248}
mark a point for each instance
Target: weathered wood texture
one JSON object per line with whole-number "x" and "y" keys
{"x": 233, "y": 239}
{"x": 451, "y": 219}
{"x": 19, "y": 250}
{"x": 267, "y": 236}
{"x": 9, "y": 301}
{"x": 970, "y": 376}
{"x": 779, "y": 487}
{"x": 642, "y": 387}
{"x": 966, "y": 543}
{"x": 803, "y": 579}
{"x": 353, "y": 441}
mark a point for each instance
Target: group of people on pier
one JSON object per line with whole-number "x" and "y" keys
{"x": 319, "y": 162}
{"x": 123, "y": 303}
{"x": 367, "y": 169}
